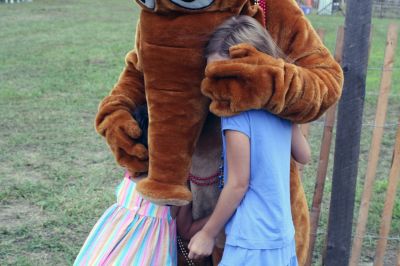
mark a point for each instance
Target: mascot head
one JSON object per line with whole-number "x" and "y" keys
{"x": 191, "y": 6}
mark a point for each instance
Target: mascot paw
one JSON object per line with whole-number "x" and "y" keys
{"x": 122, "y": 134}
{"x": 231, "y": 96}
{"x": 164, "y": 193}
{"x": 243, "y": 82}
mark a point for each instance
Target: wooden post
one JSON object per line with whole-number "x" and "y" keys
{"x": 386, "y": 221}
{"x": 321, "y": 34}
{"x": 348, "y": 134}
{"x": 398, "y": 257}
{"x": 386, "y": 82}
{"x": 323, "y": 158}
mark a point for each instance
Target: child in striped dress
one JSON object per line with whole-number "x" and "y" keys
{"x": 135, "y": 231}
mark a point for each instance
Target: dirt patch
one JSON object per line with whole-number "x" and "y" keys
{"x": 16, "y": 214}
{"x": 389, "y": 260}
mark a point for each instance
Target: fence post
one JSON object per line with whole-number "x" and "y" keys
{"x": 387, "y": 213}
{"x": 348, "y": 134}
{"x": 398, "y": 257}
{"x": 386, "y": 82}
{"x": 323, "y": 158}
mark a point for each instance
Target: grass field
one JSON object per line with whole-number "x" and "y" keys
{"x": 58, "y": 60}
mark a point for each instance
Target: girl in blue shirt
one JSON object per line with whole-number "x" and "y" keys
{"x": 254, "y": 206}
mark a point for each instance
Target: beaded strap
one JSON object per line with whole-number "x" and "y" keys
{"x": 184, "y": 252}
{"x": 221, "y": 173}
{"x": 263, "y": 5}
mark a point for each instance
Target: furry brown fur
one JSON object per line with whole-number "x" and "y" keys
{"x": 166, "y": 70}
{"x": 173, "y": 69}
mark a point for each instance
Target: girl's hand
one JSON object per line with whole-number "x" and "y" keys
{"x": 201, "y": 245}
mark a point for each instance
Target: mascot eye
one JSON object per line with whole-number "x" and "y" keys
{"x": 193, "y": 4}
{"x": 148, "y": 3}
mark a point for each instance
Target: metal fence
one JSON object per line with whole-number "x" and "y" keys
{"x": 386, "y": 9}
{"x": 380, "y": 8}
{"x": 14, "y": 1}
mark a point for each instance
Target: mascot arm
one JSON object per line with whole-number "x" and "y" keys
{"x": 312, "y": 79}
{"x": 114, "y": 119}
{"x": 300, "y": 87}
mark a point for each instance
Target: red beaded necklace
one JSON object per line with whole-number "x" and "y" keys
{"x": 204, "y": 181}
{"x": 263, "y": 6}
{"x": 218, "y": 177}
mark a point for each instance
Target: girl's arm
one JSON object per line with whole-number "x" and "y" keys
{"x": 186, "y": 227}
{"x": 300, "y": 148}
{"x": 238, "y": 156}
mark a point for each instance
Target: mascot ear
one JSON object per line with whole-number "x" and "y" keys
{"x": 255, "y": 11}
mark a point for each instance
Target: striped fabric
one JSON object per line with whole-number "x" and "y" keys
{"x": 131, "y": 232}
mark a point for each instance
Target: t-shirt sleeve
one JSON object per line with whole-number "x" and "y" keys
{"x": 240, "y": 123}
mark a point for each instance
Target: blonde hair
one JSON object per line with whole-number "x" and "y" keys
{"x": 242, "y": 29}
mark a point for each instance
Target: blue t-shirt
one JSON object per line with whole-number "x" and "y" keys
{"x": 263, "y": 220}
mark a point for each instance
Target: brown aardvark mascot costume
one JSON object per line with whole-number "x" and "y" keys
{"x": 166, "y": 70}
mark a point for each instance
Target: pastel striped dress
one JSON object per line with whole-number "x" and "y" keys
{"x": 131, "y": 232}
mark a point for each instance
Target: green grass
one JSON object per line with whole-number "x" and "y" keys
{"x": 378, "y": 43}
{"x": 58, "y": 60}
